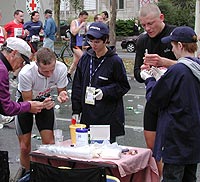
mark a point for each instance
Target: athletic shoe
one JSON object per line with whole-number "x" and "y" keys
{"x": 7, "y": 119}
{"x": 20, "y": 173}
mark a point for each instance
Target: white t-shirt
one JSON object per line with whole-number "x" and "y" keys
{"x": 31, "y": 80}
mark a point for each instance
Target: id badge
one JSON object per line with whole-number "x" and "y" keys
{"x": 89, "y": 95}
{"x": 17, "y": 32}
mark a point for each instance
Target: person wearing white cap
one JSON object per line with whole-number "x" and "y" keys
{"x": 3, "y": 36}
{"x": 14, "y": 28}
{"x": 14, "y": 54}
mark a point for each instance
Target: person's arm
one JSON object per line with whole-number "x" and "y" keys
{"x": 77, "y": 88}
{"x": 35, "y": 105}
{"x": 157, "y": 61}
{"x": 7, "y": 27}
{"x": 27, "y": 95}
{"x": 61, "y": 82}
{"x": 140, "y": 51}
{"x": 4, "y": 33}
{"x": 159, "y": 93}
{"x": 47, "y": 28}
{"x": 120, "y": 85}
{"x": 74, "y": 28}
{"x": 62, "y": 95}
{"x": 7, "y": 106}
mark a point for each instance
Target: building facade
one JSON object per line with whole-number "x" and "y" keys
{"x": 126, "y": 9}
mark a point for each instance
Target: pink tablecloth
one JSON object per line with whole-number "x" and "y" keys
{"x": 142, "y": 165}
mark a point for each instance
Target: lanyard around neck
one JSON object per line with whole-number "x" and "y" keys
{"x": 93, "y": 72}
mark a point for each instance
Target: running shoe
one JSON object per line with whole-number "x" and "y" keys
{"x": 7, "y": 119}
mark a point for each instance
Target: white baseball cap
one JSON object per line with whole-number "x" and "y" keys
{"x": 21, "y": 46}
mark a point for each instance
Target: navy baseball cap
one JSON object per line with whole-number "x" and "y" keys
{"x": 182, "y": 34}
{"x": 98, "y": 29}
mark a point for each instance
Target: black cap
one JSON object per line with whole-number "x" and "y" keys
{"x": 98, "y": 29}
{"x": 183, "y": 34}
{"x": 48, "y": 11}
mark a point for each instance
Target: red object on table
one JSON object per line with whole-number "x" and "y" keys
{"x": 73, "y": 121}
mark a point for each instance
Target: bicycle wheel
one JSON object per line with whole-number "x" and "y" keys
{"x": 65, "y": 54}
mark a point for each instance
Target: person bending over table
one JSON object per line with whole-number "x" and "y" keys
{"x": 36, "y": 81}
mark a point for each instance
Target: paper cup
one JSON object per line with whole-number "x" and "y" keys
{"x": 58, "y": 139}
{"x": 58, "y": 132}
{"x": 72, "y": 128}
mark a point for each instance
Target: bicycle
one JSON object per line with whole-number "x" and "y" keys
{"x": 65, "y": 50}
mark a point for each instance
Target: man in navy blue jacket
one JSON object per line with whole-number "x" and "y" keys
{"x": 99, "y": 84}
{"x": 177, "y": 95}
{"x": 33, "y": 28}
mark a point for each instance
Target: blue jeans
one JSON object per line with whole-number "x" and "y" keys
{"x": 179, "y": 173}
{"x": 47, "y": 42}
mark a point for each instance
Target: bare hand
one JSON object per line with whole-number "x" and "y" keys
{"x": 63, "y": 97}
{"x": 48, "y": 103}
{"x": 153, "y": 60}
{"x": 145, "y": 67}
{"x": 36, "y": 106}
{"x": 83, "y": 24}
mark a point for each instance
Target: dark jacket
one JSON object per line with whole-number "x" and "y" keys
{"x": 154, "y": 46}
{"x": 7, "y": 106}
{"x": 34, "y": 28}
{"x": 111, "y": 78}
{"x": 177, "y": 95}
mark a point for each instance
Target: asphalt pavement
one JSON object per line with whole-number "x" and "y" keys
{"x": 134, "y": 102}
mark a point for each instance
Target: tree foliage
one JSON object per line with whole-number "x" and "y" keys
{"x": 125, "y": 27}
{"x": 77, "y": 5}
{"x": 178, "y": 12}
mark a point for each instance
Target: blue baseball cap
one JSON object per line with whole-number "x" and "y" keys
{"x": 182, "y": 34}
{"x": 98, "y": 29}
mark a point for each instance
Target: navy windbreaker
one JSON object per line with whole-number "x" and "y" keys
{"x": 177, "y": 95}
{"x": 111, "y": 78}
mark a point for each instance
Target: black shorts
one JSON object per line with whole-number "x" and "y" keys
{"x": 150, "y": 117}
{"x": 44, "y": 121}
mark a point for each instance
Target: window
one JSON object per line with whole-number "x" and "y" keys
{"x": 89, "y": 5}
{"x": 120, "y": 4}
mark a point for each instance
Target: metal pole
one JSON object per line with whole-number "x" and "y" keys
{"x": 65, "y": 14}
{"x": 197, "y": 22}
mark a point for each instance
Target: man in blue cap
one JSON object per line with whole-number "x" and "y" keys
{"x": 177, "y": 95}
{"x": 99, "y": 84}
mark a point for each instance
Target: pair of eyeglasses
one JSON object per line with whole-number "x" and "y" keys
{"x": 94, "y": 42}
